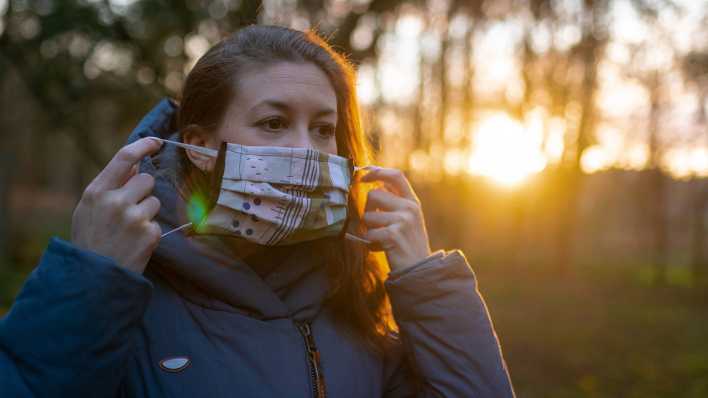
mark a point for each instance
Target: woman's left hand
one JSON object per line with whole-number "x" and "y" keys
{"x": 394, "y": 218}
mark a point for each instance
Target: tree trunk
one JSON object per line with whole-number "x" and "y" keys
{"x": 571, "y": 176}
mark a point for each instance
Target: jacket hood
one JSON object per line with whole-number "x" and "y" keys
{"x": 203, "y": 268}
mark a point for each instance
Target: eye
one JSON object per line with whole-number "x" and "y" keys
{"x": 274, "y": 124}
{"x": 326, "y": 131}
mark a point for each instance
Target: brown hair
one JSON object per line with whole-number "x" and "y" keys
{"x": 357, "y": 297}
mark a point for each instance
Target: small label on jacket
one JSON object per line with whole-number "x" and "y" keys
{"x": 174, "y": 364}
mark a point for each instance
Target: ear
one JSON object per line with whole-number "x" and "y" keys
{"x": 199, "y": 136}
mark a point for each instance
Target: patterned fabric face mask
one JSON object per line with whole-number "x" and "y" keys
{"x": 277, "y": 195}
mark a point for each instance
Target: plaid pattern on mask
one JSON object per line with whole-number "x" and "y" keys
{"x": 280, "y": 195}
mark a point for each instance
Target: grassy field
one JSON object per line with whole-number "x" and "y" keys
{"x": 600, "y": 334}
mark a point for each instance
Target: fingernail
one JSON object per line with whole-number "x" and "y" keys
{"x": 154, "y": 139}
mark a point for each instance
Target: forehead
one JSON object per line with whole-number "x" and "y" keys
{"x": 301, "y": 85}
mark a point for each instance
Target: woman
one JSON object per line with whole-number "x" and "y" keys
{"x": 216, "y": 310}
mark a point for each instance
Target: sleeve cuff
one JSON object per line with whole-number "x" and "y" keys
{"x": 431, "y": 274}
{"x": 431, "y": 259}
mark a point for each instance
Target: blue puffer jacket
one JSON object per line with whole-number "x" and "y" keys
{"x": 200, "y": 323}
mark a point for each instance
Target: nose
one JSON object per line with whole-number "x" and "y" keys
{"x": 300, "y": 138}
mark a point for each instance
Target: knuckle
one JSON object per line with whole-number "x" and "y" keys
{"x": 127, "y": 153}
{"x": 113, "y": 202}
{"x": 90, "y": 194}
{"x": 407, "y": 218}
{"x": 412, "y": 206}
{"x": 373, "y": 235}
{"x": 384, "y": 232}
{"x": 132, "y": 216}
{"x": 153, "y": 232}
{"x": 148, "y": 181}
{"x": 155, "y": 201}
{"x": 143, "y": 179}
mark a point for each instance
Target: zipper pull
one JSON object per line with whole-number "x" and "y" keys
{"x": 305, "y": 328}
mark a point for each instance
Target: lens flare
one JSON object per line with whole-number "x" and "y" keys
{"x": 197, "y": 211}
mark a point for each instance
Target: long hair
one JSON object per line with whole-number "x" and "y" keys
{"x": 357, "y": 296}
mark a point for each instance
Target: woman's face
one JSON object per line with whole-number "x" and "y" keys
{"x": 284, "y": 104}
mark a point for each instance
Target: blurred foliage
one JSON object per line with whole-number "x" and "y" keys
{"x": 74, "y": 55}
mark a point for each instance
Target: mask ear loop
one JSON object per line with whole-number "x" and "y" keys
{"x": 181, "y": 227}
{"x": 199, "y": 149}
{"x": 356, "y": 238}
{"x": 347, "y": 235}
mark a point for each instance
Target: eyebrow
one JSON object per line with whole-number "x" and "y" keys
{"x": 282, "y": 106}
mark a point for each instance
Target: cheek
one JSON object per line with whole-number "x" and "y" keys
{"x": 332, "y": 147}
{"x": 243, "y": 136}
{"x": 237, "y": 132}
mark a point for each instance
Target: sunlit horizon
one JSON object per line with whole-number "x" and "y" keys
{"x": 504, "y": 151}
{"x": 508, "y": 152}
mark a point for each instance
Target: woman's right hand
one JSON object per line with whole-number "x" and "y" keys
{"x": 114, "y": 216}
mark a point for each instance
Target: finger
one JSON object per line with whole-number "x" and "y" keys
{"x": 384, "y": 200}
{"x": 376, "y": 219}
{"x": 133, "y": 171}
{"x": 137, "y": 188}
{"x": 381, "y": 239}
{"x": 393, "y": 177}
{"x": 153, "y": 235}
{"x": 119, "y": 167}
{"x": 148, "y": 208}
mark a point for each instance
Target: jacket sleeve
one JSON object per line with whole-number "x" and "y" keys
{"x": 448, "y": 347}
{"x": 70, "y": 331}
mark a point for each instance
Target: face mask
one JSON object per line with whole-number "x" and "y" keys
{"x": 277, "y": 195}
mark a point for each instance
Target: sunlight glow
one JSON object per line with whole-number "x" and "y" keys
{"x": 594, "y": 159}
{"x": 454, "y": 161}
{"x": 554, "y": 145}
{"x": 505, "y": 151}
{"x": 687, "y": 162}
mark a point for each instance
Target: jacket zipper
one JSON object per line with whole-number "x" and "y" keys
{"x": 313, "y": 357}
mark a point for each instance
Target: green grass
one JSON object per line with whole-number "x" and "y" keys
{"x": 600, "y": 333}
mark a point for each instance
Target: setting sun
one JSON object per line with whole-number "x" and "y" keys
{"x": 504, "y": 151}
